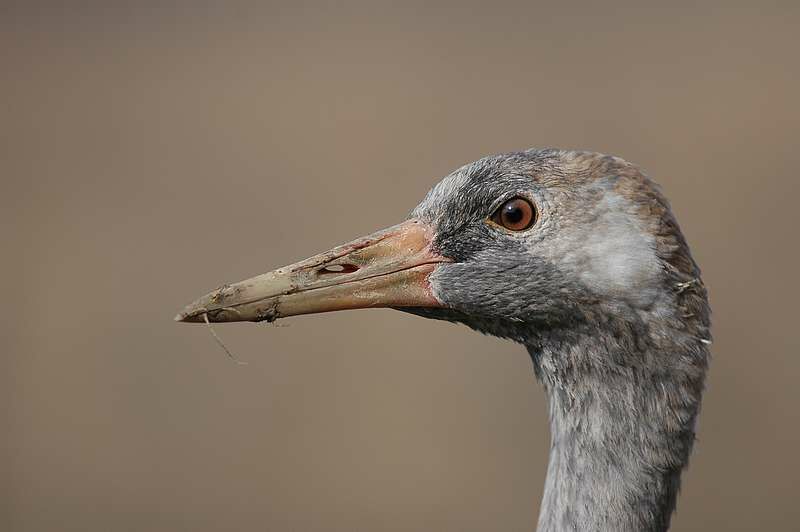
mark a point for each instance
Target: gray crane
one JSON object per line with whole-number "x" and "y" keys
{"x": 578, "y": 257}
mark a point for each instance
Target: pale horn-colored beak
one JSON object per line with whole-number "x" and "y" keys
{"x": 389, "y": 268}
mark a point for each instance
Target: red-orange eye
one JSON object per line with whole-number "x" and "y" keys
{"x": 516, "y": 214}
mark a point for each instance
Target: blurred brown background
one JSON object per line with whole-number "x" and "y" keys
{"x": 150, "y": 154}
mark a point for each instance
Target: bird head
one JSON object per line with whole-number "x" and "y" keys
{"x": 578, "y": 257}
{"x": 522, "y": 245}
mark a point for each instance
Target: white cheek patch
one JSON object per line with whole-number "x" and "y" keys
{"x": 615, "y": 255}
{"x": 620, "y": 258}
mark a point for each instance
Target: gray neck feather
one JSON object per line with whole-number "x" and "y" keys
{"x": 621, "y": 434}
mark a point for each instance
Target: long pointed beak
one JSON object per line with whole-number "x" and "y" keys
{"x": 389, "y": 268}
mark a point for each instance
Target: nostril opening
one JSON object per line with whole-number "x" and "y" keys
{"x": 339, "y": 268}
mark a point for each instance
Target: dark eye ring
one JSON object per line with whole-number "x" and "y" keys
{"x": 517, "y": 214}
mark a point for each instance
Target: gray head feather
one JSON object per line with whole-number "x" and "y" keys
{"x": 606, "y": 297}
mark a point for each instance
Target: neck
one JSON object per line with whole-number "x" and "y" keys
{"x": 622, "y": 428}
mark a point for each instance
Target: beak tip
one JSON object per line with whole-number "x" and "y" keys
{"x": 187, "y": 315}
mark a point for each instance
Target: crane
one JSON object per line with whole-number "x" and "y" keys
{"x": 578, "y": 257}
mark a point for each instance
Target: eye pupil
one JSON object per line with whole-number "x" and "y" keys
{"x": 516, "y": 214}
{"x": 513, "y": 214}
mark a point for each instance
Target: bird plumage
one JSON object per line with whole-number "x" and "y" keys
{"x": 608, "y": 301}
{"x": 600, "y": 287}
